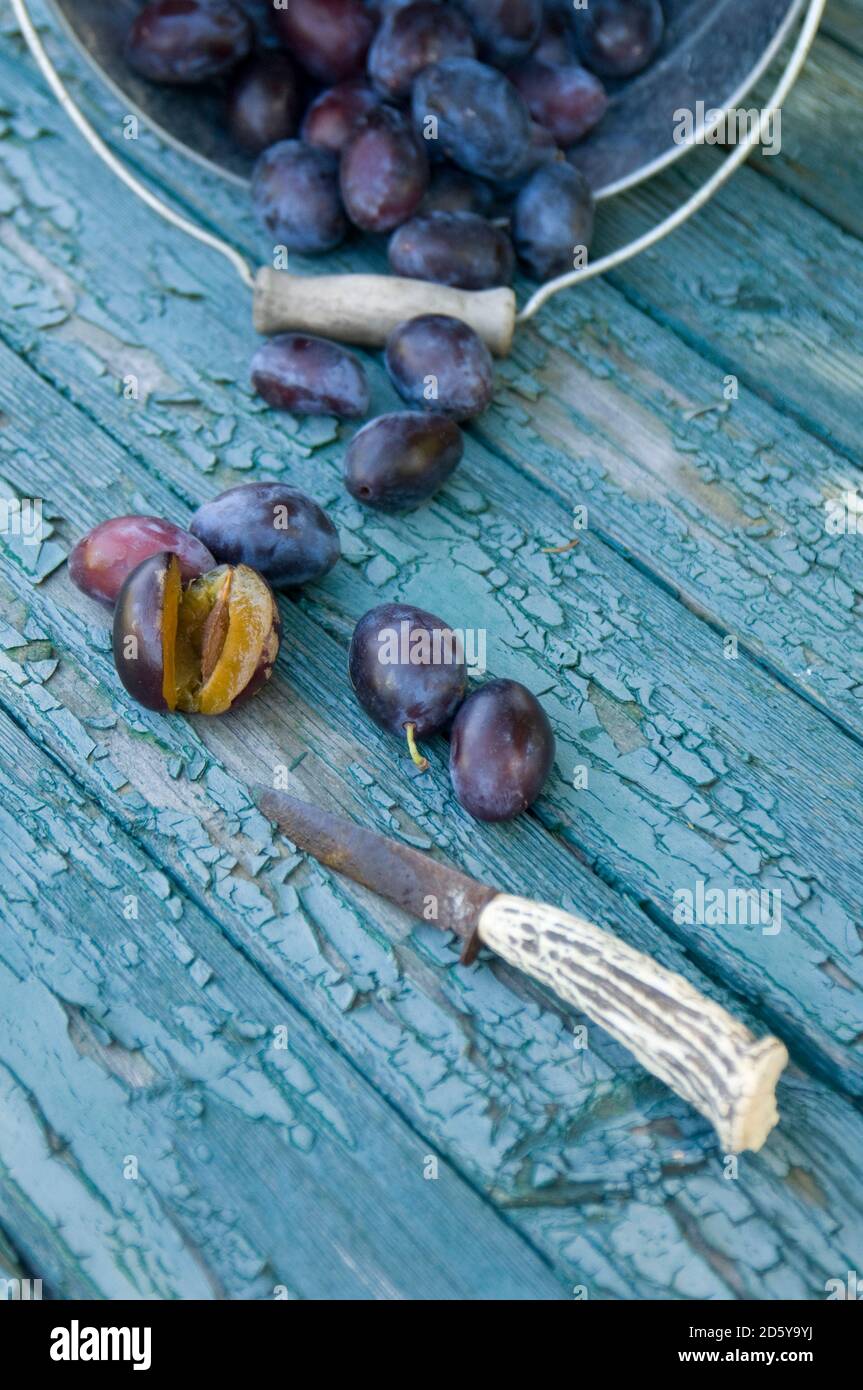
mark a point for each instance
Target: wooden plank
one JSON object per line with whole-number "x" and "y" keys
{"x": 528, "y": 1183}
{"x": 720, "y": 501}
{"x": 580, "y": 1147}
{"x": 842, "y": 21}
{"x": 676, "y": 755}
{"x": 11, "y": 1268}
{"x": 822, "y": 124}
{"x": 482, "y": 1065}
{"x": 191, "y": 1118}
{"x": 765, "y": 294}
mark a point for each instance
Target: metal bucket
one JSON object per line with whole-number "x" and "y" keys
{"x": 713, "y": 52}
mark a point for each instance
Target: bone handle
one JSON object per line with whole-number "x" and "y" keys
{"x": 365, "y": 309}
{"x": 689, "y": 1042}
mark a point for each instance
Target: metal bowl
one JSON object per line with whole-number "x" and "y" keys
{"x": 713, "y": 52}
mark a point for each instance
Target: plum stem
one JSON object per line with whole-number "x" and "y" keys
{"x": 416, "y": 756}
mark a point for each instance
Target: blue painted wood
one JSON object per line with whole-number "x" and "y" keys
{"x": 664, "y": 750}
{"x": 574, "y": 1165}
{"x": 824, "y": 122}
{"x": 579, "y": 1148}
{"x": 193, "y": 1134}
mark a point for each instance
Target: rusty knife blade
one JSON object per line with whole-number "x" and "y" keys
{"x": 404, "y": 876}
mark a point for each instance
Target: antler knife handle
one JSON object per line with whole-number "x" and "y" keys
{"x": 688, "y": 1041}
{"x": 364, "y": 309}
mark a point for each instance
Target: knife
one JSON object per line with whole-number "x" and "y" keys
{"x": 688, "y": 1041}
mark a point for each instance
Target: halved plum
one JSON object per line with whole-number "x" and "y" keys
{"x": 202, "y": 648}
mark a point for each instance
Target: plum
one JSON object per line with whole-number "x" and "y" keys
{"x": 412, "y": 37}
{"x": 408, "y": 671}
{"x": 272, "y": 528}
{"x": 439, "y": 364}
{"x": 295, "y": 195}
{"x": 452, "y": 190}
{"x": 618, "y": 38}
{"x": 556, "y": 42}
{"x": 553, "y": 216}
{"x": 507, "y": 29}
{"x": 471, "y": 114}
{"x": 330, "y": 38}
{"x": 335, "y": 116}
{"x": 397, "y": 461}
{"x": 564, "y": 98}
{"x": 182, "y": 42}
{"x": 501, "y": 751}
{"x": 453, "y": 248}
{"x": 201, "y": 648}
{"x": 264, "y": 102}
{"x": 383, "y": 173}
{"x": 310, "y": 376}
{"x": 104, "y": 558}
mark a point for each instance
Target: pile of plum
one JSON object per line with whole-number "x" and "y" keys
{"x": 413, "y": 681}
{"x": 446, "y": 127}
{"x": 443, "y": 126}
{"x": 196, "y": 629}
{"x": 415, "y": 119}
